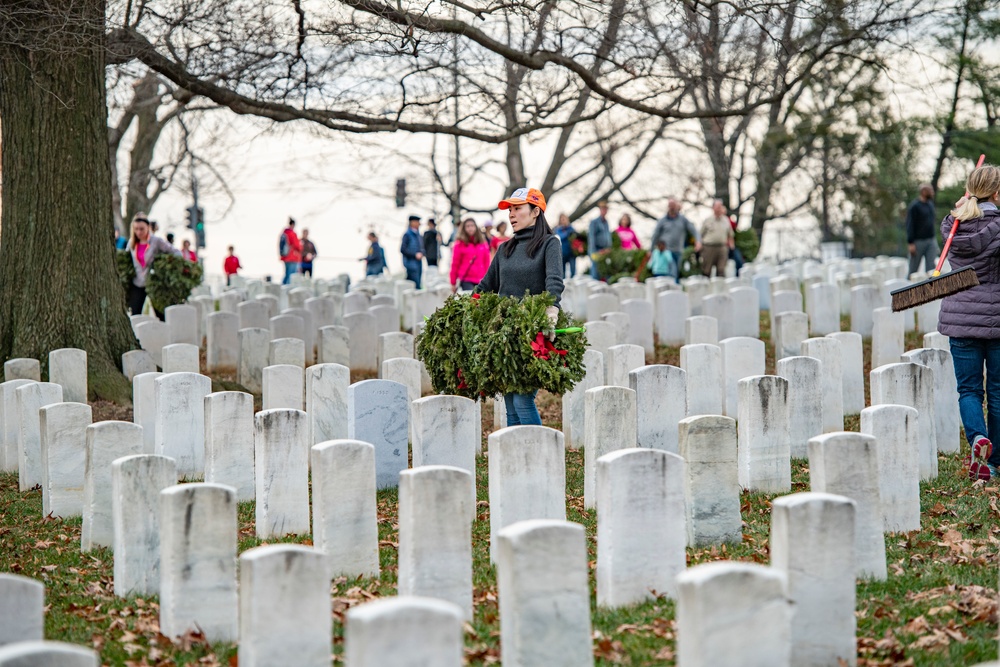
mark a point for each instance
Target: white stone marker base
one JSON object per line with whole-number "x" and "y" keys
{"x": 281, "y": 470}
{"x": 609, "y": 425}
{"x": 404, "y": 632}
{"x": 711, "y": 488}
{"x": 106, "y": 441}
{"x": 22, "y": 609}
{"x": 894, "y": 428}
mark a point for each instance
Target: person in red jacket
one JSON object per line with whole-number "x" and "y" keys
{"x": 231, "y": 265}
{"x": 290, "y": 249}
{"x": 470, "y": 257}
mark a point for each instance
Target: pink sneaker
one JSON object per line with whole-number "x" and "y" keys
{"x": 976, "y": 463}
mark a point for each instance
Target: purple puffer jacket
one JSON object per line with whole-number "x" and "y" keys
{"x": 974, "y": 313}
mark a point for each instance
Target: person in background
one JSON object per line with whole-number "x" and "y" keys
{"x": 290, "y": 249}
{"x": 530, "y": 262}
{"x": 716, "y": 240}
{"x": 564, "y": 230}
{"x": 488, "y": 232}
{"x": 628, "y": 237}
{"x": 734, "y": 251}
{"x": 375, "y": 260}
{"x": 144, "y": 246}
{"x": 308, "y": 254}
{"x": 121, "y": 242}
{"x": 187, "y": 253}
{"x": 470, "y": 257}
{"x": 674, "y": 229}
{"x": 170, "y": 238}
{"x": 412, "y": 250}
{"x": 432, "y": 243}
{"x": 598, "y": 236}
{"x": 661, "y": 260}
{"x": 971, "y": 318}
{"x": 921, "y": 236}
{"x": 499, "y": 238}
{"x": 231, "y": 265}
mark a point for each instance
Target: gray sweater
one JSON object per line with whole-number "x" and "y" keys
{"x": 156, "y": 246}
{"x": 517, "y": 274}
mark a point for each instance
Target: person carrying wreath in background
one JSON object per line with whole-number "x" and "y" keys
{"x": 530, "y": 262}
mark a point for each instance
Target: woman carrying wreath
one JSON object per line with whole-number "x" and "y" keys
{"x": 531, "y": 261}
{"x": 144, "y": 246}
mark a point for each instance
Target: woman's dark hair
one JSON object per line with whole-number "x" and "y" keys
{"x": 541, "y": 230}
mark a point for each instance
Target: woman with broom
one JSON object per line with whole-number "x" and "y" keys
{"x": 971, "y": 318}
{"x": 530, "y": 261}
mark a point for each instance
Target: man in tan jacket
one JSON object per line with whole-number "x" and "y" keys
{"x": 716, "y": 239}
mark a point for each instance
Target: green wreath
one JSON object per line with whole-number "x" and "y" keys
{"x": 170, "y": 281}
{"x": 485, "y": 344}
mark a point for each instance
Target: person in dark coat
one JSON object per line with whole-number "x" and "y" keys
{"x": 412, "y": 250}
{"x": 432, "y": 243}
{"x": 971, "y": 319}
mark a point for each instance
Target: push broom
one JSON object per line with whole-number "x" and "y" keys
{"x": 937, "y": 286}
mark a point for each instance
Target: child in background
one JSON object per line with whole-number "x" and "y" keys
{"x": 661, "y": 262}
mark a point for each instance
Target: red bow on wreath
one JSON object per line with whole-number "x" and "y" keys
{"x": 542, "y": 347}
{"x": 461, "y": 381}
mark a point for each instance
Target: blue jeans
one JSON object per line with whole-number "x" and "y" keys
{"x": 290, "y": 269}
{"x": 677, "y": 265}
{"x": 521, "y": 409}
{"x": 414, "y": 269}
{"x": 970, "y": 355}
{"x": 569, "y": 262}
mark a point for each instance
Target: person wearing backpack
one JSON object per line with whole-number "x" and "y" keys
{"x": 290, "y": 250}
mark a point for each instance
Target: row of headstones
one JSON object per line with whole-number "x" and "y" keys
{"x": 818, "y": 543}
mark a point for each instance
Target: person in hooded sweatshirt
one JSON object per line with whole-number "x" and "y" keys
{"x": 971, "y": 318}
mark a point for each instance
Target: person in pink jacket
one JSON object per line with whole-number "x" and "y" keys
{"x": 630, "y": 241}
{"x": 470, "y": 257}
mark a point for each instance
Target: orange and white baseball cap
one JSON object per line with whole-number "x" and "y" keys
{"x": 523, "y": 196}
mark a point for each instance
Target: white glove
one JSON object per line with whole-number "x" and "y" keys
{"x": 553, "y": 314}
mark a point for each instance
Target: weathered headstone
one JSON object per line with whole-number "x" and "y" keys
{"x": 135, "y": 362}
{"x": 254, "y": 315}
{"x": 621, "y": 360}
{"x": 741, "y": 358}
{"x": 153, "y": 336}
{"x": 334, "y": 347}
{"x": 830, "y": 353}
{"x": 326, "y": 401}
{"x": 812, "y": 543}
{"x": 404, "y": 632}
{"x": 847, "y": 464}
{"x": 641, "y": 531}
{"x": 887, "y": 336}
{"x": 253, "y": 358}
{"x": 377, "y": 412}
{"x": 284, "y": 387}
{"x": 852, "y": 371}
{"x": 805, "y": 398}
{"x": 47, "y": 654}
{"x": 10, "y": 424}
{"x": 63, "y": 431}
{"x": 229, "y": 447}
{"x": 446, "y": 432}
{"x": 284, "y": 607}
{"x": 706, "y": 388}
{"x": 222, "y": 341}
{"x": 824, "y": 309}
{"x": 68, "y": 369}
{"x": 790, "y": 329}
{"x": 344, "y": 514}
{"x": 711, "y": 486}
{"x": 198, "y": 531}
{"x": 720, "y": 307}
{"x": 701, "y": 330}
{"x": 106, "y": 441}
{"x": 894, "y": 428}
{"x": 436, "y": 509}
{"x": 936, "y": 341}
{"x": 913, "y": 385}
{"x": 527, "y": 473}
{"x": 363, "y": 341}
{"x": 672, "y": 310}
{"x": 539, "y": 561}
{"x": 287, "y": 352}
{"x": 864, "y": 300}
{"x": 719, "y": 601}
{"x": 180, "y": 358}
{"x": 281, "y": 471}
{"x": 609, "y": 425}
{"x": 764, "y": 453}
{"x": 640, "y": 313}
{"x": 22, "y": 369}
{"x": 661, "y": 403}
{"x": 31, "y": 398}
{"x": 183, "y": 322}
{"x": 136, "y": 483}
{"x": 144, "y": 408}
{"x": 22, "y": 609}
{"x": 946, "y": 417}
{"x": 180, "y": 420}
{"x": 573, "y": 400}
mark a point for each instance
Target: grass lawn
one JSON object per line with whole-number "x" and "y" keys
{"x": 938, "y": 607}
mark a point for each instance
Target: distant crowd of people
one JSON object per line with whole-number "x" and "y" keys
{"x": 473, "y": 245}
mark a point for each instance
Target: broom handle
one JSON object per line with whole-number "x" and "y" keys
{"x": 954, "y": 227}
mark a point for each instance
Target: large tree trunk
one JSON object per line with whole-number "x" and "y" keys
{"x": 58, "y": 282}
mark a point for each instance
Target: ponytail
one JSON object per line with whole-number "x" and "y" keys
{"x": 983, "y": 183}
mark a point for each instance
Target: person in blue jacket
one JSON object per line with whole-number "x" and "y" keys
{"x": 412, "y": 249}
